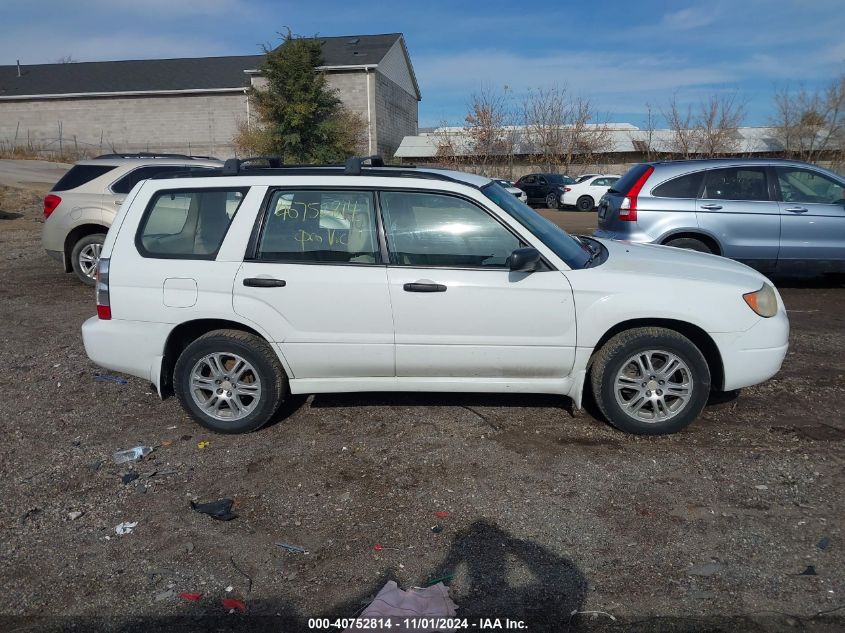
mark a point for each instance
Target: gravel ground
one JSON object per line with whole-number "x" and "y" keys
{"x": 549, "y": 511}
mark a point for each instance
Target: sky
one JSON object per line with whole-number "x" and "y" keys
{"x": 620, "y": 55}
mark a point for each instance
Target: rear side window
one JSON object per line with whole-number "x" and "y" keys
{"x": 684, "y": 187}
{"x": 320, "y": 226}
{"x": 736, "y": 183}
{"x": 184, "y": 224}
{"x": 79, "y": 175}
{"x": 624, "y": 184}
{"x": 125, "y": 184}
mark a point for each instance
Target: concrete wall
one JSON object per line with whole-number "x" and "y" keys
{"x": 200, "y": 124}
{"x": 396, "y": 115}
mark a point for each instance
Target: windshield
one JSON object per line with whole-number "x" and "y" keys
{"x": 562, "y": 243}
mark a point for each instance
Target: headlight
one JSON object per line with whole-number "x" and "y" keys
{"x": 764, "y": 301}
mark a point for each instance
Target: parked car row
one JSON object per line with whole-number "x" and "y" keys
{"x": 234, "y": 286}
{"x": 556, "y": 191}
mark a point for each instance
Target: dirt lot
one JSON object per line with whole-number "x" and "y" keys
{"x": 549, "y": 512}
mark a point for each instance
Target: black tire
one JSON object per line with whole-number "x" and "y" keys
{"x": 690, "y": 243}
{"x": 552, "y": 201}
{"x": 252, "y": 349}
{"x": 585, "y": 203}
{"x": 84, "y": 246}
{"x": 612, "y": 359}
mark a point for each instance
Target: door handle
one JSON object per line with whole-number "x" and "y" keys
{"x": 119, "y": 202}
{"x": 796, "y": 209}
{"x": 711, "y": 207}
{"x": 264, "y": 282}
{"x": 424, "y": 286}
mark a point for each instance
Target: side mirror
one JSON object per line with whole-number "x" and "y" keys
{"x": 525, "y": 260}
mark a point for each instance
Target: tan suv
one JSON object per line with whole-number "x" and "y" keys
{"x": 80, "y": 208}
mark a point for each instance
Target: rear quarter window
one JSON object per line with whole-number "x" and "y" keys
{"x": 624, "y": 184}
{"x": 188, "y": 224}
{"x": 686, "y": 186}
{"x": 78, "y": 175}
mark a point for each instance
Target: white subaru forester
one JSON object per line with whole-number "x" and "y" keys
{"x": 234, "y": 289}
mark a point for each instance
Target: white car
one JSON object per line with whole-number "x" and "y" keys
{"x": 237, "y": 289}
{"x": 586, "y": 192}
{"x": 81, "y": 206}
{"x": 512, "y": 188}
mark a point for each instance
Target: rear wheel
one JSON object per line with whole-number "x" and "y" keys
{"x": 585, "y": 203}
{"x": 551, "y": 201}
{"x": 230, "y": 381}
{"x": 650, "y": 381}
{"x": 86, "y": 255}
{"x": 690, "y": 243}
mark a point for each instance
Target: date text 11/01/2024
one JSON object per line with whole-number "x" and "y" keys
{"x": 420, "y": 624}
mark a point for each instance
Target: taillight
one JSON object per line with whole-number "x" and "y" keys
{"x": 102, "y": 292}
{"x": 51, "y": 201}
{"x": 628, "y": 208}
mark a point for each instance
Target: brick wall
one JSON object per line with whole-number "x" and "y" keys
{"x": 201, "y": 124}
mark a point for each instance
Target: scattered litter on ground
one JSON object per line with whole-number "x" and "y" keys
{"x": 230, "y": 589}
{"x": 165, "y": 595}
{"x": 186, "y": 438}
{"x": 125, "y": 528}
{"x": 824, "y": 543}
{"x": 441, "y": 514}
{"x": 810, "y": 571}
{"x": 132, "y": 454}
{"x": 191, "y": 596}
{"x": 242, "y": 573}
{"x": 705, "y": 569}
{"x": 296, "y": 549}
{"x": 220, "y": 510}
{"x": 379, "y": 547}
{"x": 233, "y": 604}
{"x": 166, "y": 443}
{"x": 437, "y": 529}
{"x": 170, "y": 428}
{"x": 762, "y": 487}
{"x": 73, "y": 516}
{"x": 434, "y": 581}
{"x": 418, "y": 602}
{"x": 128, "y": 478}
{"x": 203, "y": 444}
{"x": 107, "y": 378}
{"x": 189, "y": 547}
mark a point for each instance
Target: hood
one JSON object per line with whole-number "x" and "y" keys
{"x": 653, "y": 260}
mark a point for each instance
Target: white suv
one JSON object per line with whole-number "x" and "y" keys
{"x": 81, "y": 206}
{"x": 236, "y": 289}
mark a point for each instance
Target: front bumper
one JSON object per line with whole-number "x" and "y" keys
{"x": 754, "y": 356}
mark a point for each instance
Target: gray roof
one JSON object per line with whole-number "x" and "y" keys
{"x": 187, "y": 73}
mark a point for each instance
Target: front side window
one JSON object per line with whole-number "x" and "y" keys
{"x": 430, "y": 229}
{"x": 188, "y": 224}
{"x": 736, "y": 183}
{"x": 807, "y": 186}
{"x": 683, "y": 187}
{"x": 320, "y": 226}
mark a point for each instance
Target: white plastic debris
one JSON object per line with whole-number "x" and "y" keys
{"x": 132, "y": 454}
{"x": 125, "y": 528}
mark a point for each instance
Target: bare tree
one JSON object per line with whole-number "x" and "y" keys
{"x": 643, "y": 139}
{"x": 488, "y": 137}
{"x": 67, "y": 59}
{"x": 559, "y": 127}
{"x": 449, "y": 145}
{"x": 718, "y": 122}
{"x": 810, "y": 123}
{"x": 684, "y": 139}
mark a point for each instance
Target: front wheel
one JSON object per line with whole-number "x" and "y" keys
{"x": 585, "y": 203}
{"x": 86, "y": 255}
{"x": 551, "y": 201}
{"x": 650, "y": 381}
{"x": 230, "y": 381}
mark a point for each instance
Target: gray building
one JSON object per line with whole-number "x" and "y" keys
{"x": 194, "y": 105}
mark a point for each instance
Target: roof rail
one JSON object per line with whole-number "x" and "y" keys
{"x": 354, "y": 164}
{"x": 153, "y": 155}
{"x": 232, "y": 166}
